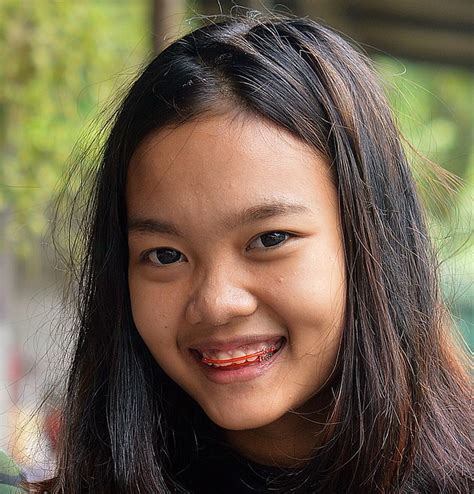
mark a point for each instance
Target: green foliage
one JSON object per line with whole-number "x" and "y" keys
{"x": 59, "y": 62}
{"x": 434, "y": 106}
{"x": 435, "y": 110}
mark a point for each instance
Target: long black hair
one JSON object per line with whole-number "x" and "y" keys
{"x": 399, "y": 417}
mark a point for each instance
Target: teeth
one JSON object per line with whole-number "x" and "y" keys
{"x": 235, "y": 353}
{"x": 225, "y": 364}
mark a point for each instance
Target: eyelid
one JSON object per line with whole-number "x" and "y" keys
{"x": 289, "y": 236}
{"x": 145, "y": 256}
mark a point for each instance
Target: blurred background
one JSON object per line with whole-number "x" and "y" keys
{"x": 63, "y": 62}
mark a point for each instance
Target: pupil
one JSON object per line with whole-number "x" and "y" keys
{"x": 270, "y": 239}
{"x": 168, "y": 256}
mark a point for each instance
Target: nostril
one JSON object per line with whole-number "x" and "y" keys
{"x": 218, "y": 307}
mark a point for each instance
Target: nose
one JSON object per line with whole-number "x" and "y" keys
{"x": 218, "y": 297}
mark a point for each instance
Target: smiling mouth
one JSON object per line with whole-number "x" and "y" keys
{"x": 242, "y": 359}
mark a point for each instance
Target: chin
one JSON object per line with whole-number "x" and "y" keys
{"x": 241, "y": 419}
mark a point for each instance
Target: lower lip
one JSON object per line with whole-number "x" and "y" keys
{"x": 242, "y": 374}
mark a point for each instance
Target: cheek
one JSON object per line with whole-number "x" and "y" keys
{"x": 311, "y": 292}
{"x": 311, "y": 299}
{"x": 155, "y": 316}
{"x": 157, "y": 324}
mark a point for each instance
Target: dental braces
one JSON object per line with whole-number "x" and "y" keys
{"x": 262, "y": 355}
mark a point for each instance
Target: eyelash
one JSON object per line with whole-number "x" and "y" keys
{"x": 287, "y": 236}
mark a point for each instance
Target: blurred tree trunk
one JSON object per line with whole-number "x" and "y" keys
{"x": 214, "y": 7}
{"x": 167, "y": 17}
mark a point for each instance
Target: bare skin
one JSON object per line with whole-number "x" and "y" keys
{"x": 234, "y": 233}
{"x": 290, "y": 440}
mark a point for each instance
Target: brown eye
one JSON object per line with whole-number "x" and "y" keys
{"x": 163, "y": 257}
{"x": 268, "y": 240}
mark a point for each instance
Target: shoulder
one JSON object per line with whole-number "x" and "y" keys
{"x": 10, "y": 476}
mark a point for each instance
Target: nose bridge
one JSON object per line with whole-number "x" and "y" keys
{"x": 219, "y": 295}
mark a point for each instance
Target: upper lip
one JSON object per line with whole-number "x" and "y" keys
{"x": 206, "y": 345}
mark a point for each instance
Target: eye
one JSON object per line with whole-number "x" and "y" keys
{"x": 164, "y": 256}
{"x": 269, "y": 240}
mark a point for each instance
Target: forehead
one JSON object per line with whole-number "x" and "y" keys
{"x": 220, "y": 164}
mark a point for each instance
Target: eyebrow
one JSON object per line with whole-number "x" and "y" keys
{"x": 151, "y": 225}
{"x": 241, "y": 218}
{"x": 263, "y": 212}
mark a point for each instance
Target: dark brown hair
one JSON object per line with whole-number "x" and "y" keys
{"x": 400, "y": 415}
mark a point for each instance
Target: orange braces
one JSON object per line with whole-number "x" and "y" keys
{"x": 237, "y": 359}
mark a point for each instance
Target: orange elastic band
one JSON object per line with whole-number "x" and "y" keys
{"x": 235, "y": 359}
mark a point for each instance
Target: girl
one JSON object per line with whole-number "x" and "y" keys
{"x": 258, "y": 308}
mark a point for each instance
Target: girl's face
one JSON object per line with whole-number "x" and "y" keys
{"x": 236, "y": 270}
